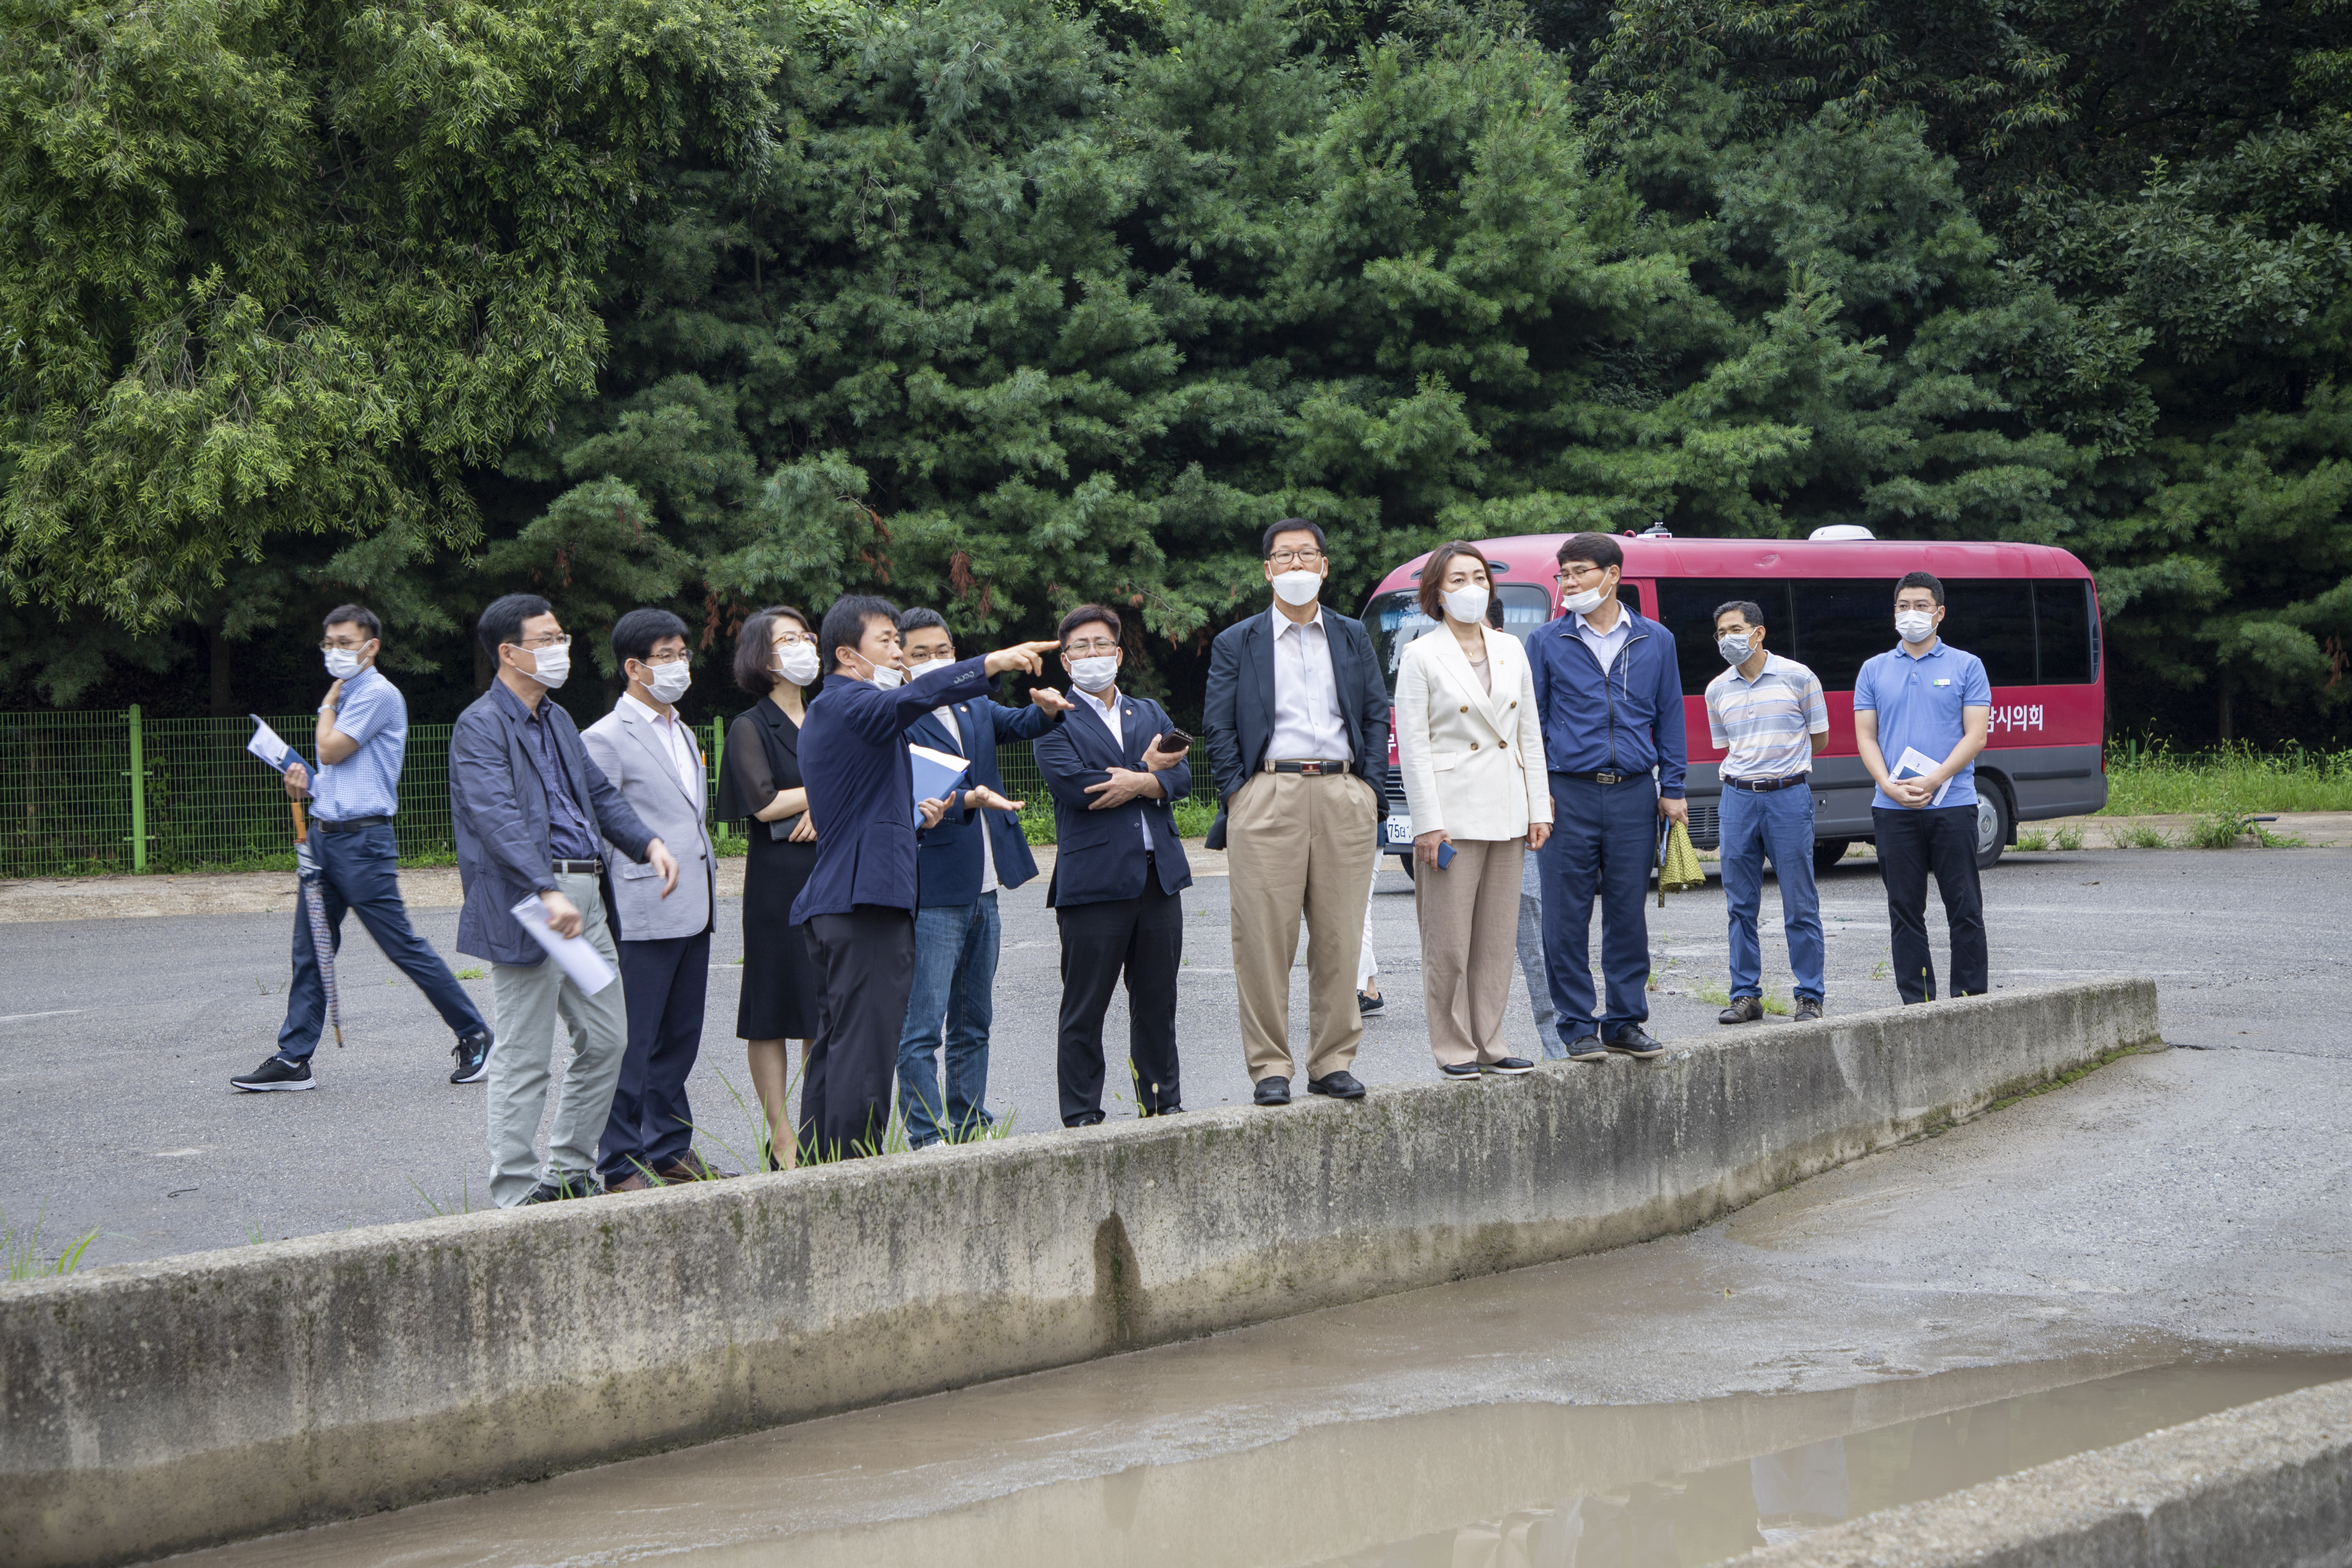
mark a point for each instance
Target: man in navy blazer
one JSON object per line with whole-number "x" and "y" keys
{"x": 860, "y": 902}
{"x": 977, "y": 848}
{"x": 1298, "y": 724}
{"x": 1118, "y": 871}
{"x": 528, "y": 805}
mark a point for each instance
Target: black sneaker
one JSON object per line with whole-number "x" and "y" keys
{"x": 275, "y": 1073}
{"x": 1509, "y": 1065}
{"x": 1743, "y": 1010}
{"x": 1368, "y": 1004}
{"x": 473, "y": 1054}
{"x": 1463, "y": 1071}
{"x": 1808, "y": 1010}
{"x": 1587, "y": 1049}
{"x": 564, "y": 1186}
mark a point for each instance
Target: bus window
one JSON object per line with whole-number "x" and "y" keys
{"x": 1993, "y": 619}
{"x": 2061, "y": 612}
{"x": 1687, "y": 607}
{"x": 1394, "y": 619}
{"x": 1841, "y": 621}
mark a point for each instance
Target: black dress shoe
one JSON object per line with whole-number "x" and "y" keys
{"x": 1272, "y": 1091}
{"x": 1087, "y": 1118}
{"x": 1636, "y": 1043}
{"x": 1743, "y": 1010}
{"x": 1587, "y": 1049}
{"x": 1461, "y": 1071}
{"x": 1508, "y": 1066}
{"x": 557, "y": 1191}
{"x": 473, "y": 1054}
{"x": 1164, "y": 1111}
{"x": 1340, "y": 1085}
{"x": 1808, "y": 1010}
{"x": 1368, "y": 1004}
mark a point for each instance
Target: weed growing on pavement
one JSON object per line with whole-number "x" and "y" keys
{"x": 1882, "y": 970}
{"x": 1714, "y": 993}
{"x": 2143, "y": 836}
{"x": 474, "y": 973}
{"x": 464, "y": 1198}
{"x": 2068, "y": 838}
{"x": 2033, "y": 841}
{"x": 2144, "y": 779}
{"x": 1775, "y": 1004}
{"x": 255, "y": 1234}
{"x": 20, "y": 1251}
{"x": 2217, "y": 830}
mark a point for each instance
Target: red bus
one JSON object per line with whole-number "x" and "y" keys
{"x": 2029, "y": 611}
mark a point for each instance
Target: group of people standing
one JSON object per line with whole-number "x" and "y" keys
{"x": 1537, "y": 776}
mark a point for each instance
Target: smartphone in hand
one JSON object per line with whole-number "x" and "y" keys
{"x": 1444, "y": 855}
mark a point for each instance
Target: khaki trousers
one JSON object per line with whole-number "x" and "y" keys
{"x": 1469, "y": 928}
{"x": 1294, "y": 845}
{"x": 528, "y": 999}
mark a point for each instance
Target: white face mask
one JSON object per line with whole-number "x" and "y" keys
{"x": 888, "y": 676}
{"x": 1095, "y": 673}
{"x": 797, "y": 664}
{"x": 552, "y": 666}
{"x": 669, "y": 681}
{"x": 916, "y": 667}
{"x": 1734, "y": 650}
{"x": 1913, "y": 626}
{"x": 1582, "y": 603}
{"x": 342, "y": 663}
{"x": 1296, "y": 588}
{"x": 1466, "y": 604}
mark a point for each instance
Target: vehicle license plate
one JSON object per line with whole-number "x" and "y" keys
{"x": 1401, "y": 827}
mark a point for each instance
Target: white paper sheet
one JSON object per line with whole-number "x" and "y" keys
{"x": 267, "y": 745}
{"x": 576, "y": 955}
{"x": 1911, "y": 764}
{"x": 936, "y": 772}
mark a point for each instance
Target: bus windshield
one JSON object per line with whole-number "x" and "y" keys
{"x": 1394, "y": 619}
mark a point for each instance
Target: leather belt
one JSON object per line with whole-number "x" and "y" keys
{"x": 578, "y": 868}
{"x": 1313, "y": 767}
{"x": 1766, "y": 786}
{"x": 348, "y": 824}
{"x": 1604, "y": 777}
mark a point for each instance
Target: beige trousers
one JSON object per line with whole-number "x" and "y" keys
{"x": 1295, "y": 843}
{"x": 1469, "y": 934}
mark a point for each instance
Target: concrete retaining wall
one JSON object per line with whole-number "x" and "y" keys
{"x": 2265, "y": 1486}
{"x": 149, "y": 1407}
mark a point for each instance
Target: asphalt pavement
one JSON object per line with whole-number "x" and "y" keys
{"x": 118, "y": 1037}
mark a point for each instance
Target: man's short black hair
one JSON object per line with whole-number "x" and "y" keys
{"x": 754, "y": 656}
{"x": 635, "y": 634}
{"x": 501, "y": 620}
{"x": 1927, "y": 580}
{"x": 844, "y": 624}
{"x": 1290, "y": 525}
{"x": 921, "y": 619}
{"x": 358, "y": 615}
{"x": 1750, "y": 611}
{"x": 1087, "y": 615}
{"x": 1595, "y": 549}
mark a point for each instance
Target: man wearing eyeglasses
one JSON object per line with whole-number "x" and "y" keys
{"x": 645, "y": 748}
{"x": 1297, "y": 719}
{"x": 363, "y": 735}
{"x": 530, "y": 805}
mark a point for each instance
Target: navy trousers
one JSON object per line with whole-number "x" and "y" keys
{"x": 664, "y": 983}
{"x": 1910, "y": 844}
{"x": 865, "y": 968}
{"x": 360, "y": 873}
{"x": 1604, "y": 839}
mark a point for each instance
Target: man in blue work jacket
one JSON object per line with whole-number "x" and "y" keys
{"x": 860, "y": 902}
{"x": 1611, "y": 696}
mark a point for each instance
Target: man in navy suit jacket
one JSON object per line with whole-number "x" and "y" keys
{"x": 1298, "y": 724}
{"x": 860, "y": 902}
{"x": 977, "y": 848}
{"x": 1118, "y": 869}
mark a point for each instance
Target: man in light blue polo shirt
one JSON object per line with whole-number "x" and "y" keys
{"x": 1921, "y": 712}
{"x": 1768, "y": 716}
{"x": 362, "y": 736}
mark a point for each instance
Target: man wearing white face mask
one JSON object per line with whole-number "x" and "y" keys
{"x": 362, "y": 737}
{"x": 647, "y": 751}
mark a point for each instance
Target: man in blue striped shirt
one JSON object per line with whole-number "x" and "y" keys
{"x": 1767, "y": 712}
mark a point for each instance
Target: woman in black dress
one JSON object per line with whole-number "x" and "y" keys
{"x": 759, "y": 789}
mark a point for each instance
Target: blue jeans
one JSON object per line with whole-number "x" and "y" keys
{"x": 1780, "y": 825}
{"x": 955, "y": 982}
{"x": 1604, "y": 839}
{"x": 360, "y": 872}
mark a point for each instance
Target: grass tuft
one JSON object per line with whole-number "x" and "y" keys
{"x": 20, "y": 1251}
{"x": 2144, "y": 780}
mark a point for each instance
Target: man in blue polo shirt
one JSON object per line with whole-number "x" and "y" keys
{"x": 1921, "y": 712}
{"x": 362, "y": 736}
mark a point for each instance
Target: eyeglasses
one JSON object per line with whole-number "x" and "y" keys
{"x": 680, "y": 656}
{"x": 1577, "y": 570}
{"x": 1086, "y": 649}
{"x": 558, "y": 639}
{"x": 332, "y": 646}
{"x": 1310, "y": 556}
{"x": 792, "y": 638}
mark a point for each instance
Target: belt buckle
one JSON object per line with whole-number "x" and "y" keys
{"x": 1311, "y": 769}
{"x": 1608, "y": 778}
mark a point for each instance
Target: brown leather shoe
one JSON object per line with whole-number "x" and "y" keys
{"x": 634, "y": 1182}
{"x": 693, "y": 1167}
{"x": 1743, "y": 1010}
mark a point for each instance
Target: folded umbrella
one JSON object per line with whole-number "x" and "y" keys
{"x": 314, "y": 898}
{"x": 1678, "y": 867}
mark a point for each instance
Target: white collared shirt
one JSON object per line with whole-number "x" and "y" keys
{"x": 1306, "y": 722}
{"x": 671, "y": 733}
{"x": 1109, "y": 711}
{"x": 988, "y": 884}
{"x": 1605, "y": 645}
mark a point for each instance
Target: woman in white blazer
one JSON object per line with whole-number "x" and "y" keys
{"x": 1471, "y": 748}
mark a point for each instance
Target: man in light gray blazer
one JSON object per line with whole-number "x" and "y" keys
{"x": 648, "y": 753}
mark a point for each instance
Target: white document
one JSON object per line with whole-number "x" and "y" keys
{"x": 576, "y": 955}
{"x": 1912, "y": 765}
{"x": 267, "y": 745}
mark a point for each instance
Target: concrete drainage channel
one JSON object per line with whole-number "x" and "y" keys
{"x": 157, "y": 1407}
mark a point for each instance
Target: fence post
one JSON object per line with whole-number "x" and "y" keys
{"x": 718, "y": 761}
{"x": 138, "y": 777}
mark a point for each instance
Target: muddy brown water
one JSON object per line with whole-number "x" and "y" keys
{"x": 1011, "y": 1474}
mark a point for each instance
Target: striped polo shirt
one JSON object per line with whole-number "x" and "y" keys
{"x": 1765, "y": 723}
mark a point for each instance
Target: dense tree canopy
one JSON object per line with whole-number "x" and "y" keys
{"x": 1000, "y": 306}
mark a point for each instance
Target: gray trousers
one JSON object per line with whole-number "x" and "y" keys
{"x": 1531, "y": 970}
{"x": 526, "y": 999}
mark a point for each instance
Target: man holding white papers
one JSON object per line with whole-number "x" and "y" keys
{"x": 362, "y": 735}
{"x": 529, "y": 805}
{"x": 1928, "y": 706}
{"x": 977, "y": 848}
{"x": 859, "y": 904}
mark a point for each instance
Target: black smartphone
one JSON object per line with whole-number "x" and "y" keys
{"x": 1175, "y": 741}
